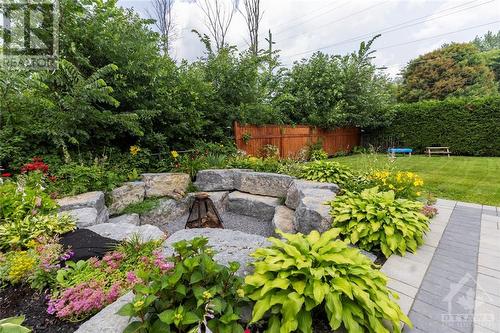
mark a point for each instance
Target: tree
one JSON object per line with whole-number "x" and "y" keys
{"x": 332, "y": 90}
{"x": 252, "y": 16}
{"x": 453, "y": 70}
{"x": 488, "y": 42}
{"x": 163, "y": 15}
{"x": 218, "y": 17}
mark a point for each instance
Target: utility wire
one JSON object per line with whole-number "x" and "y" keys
{"x": 310, "y": 19}
{"x": 341, "y": 19}
{"x": 400, "y": 26}
{"x": 430, "y": 37}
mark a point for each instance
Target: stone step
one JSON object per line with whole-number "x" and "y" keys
{"x": 257, "y": 206}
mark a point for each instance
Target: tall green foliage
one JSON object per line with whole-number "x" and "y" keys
{"x": 467, "y": 126}
{"x": 453, "y": 70}
{"x": 330, "y": 91}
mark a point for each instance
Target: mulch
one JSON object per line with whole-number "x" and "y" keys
{"x": 21, "y": 299}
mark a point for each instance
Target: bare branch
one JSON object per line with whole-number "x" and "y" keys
{"x": 253, "y": 17}
{"x": 218, "y": 17}
{"x": 163, "y": 14}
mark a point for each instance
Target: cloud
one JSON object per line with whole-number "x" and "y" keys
{"x": 303, "y": 25}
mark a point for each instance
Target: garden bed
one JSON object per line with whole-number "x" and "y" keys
{"x": 21, "y": 299}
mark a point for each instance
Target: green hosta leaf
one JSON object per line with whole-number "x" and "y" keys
{"x": 261, "y": 307}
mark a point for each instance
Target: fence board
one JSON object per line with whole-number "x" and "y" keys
{"x": 292, "y": 139}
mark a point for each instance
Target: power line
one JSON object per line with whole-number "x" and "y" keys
{"x": 430, "y": 37}
{"x": 389, "y": 29}
{"x": 314, "y": 11}
{"x": 440, "y": 35}
{"x": 342, "y": 18}
{"x": 312, "y": 18}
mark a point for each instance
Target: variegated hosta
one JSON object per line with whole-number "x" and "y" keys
{"x": 373, "y": 219}
{"x": 318, "y": 272}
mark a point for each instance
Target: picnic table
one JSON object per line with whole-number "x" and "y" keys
{"x": 437, "y": 150}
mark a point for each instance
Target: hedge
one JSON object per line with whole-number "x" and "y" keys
{"x": 468, "y": 126}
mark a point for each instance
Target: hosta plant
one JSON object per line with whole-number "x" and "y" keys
{"x": 194, "y": 292}
{"x": 13, "y": 325}
{"x": 301, "y": 275}
{"x": 327, "y": 171}
{"x": 376, "y": 219}
{"x": 19, "y": 233}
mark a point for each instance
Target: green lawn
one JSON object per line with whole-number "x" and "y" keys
{"x": 469, "y": 179}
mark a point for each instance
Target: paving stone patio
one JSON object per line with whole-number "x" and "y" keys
{"x": 452, "y": 283}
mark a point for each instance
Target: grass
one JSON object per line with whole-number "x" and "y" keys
{"x": 469, "y": 179}
{"x": 142, "y": 207}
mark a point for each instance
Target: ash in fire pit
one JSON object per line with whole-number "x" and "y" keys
{"x": 203, "y": 213}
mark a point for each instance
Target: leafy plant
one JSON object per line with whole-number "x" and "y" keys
{"x": 406, "y": 185}
{"x": 327, "y": 171}
{"x": 374, "y": 219}
{"x": 83, "y": 288}
{"x": 13, "y": 325}
{"x": 19, "y": 233}
{"x": 270, "y": 151}
{"x": 301, "y": 275}
{"x": 195, "y": 291}
{"x": 142, "y": 207}
{"x": 24, "y": 198}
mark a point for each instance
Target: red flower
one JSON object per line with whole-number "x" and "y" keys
{"x": 6, "y": 174}
{"x": 36, "y": 165}
{"x": 247, "y": 330}
{"x": 52, "y": 178}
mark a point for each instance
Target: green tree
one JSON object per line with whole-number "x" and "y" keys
{"x": 332, "y": 90}
{"x": 487, "y": 42}
{"x": 453, "y": 70}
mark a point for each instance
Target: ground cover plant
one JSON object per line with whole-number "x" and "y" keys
{"x": 377, "y": 219}
{"x": 301, "y": 274}
{"x": 192, "y": 292}
{"x": 469, "y": 179}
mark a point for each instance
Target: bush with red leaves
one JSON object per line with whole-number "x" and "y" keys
{"x": 37, "y": 164}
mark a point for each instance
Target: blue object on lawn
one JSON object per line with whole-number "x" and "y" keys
{"x": 400, "y": 150}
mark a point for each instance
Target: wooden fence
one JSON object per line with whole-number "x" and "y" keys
{"x": 290, "y": 140}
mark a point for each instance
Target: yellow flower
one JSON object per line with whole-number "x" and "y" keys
{"x": 418, "y": 193}
{"x": 178, "y": 316}
{"x": 207, "y": 295}
{"x": 134, "y": 150}
{"x": 174, "y": 153}
{"x": 138, "y": 304}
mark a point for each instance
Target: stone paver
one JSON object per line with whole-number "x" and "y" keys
{"x": 453, "y": 281}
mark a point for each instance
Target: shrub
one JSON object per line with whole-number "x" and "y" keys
{"x": 24, "y": 198}
{"x": 406, "y": 185}
{"x": 373, "y": 219}
{"x": 19, "y": 233}
{"x": 467, "y": 125}
{"x": 85, "y": 287}
{"x": 76, "y": 178}
{"x": 327, "y": 171}
{"x": 319, "y": 273}
{"x": 194, "y": 291}
{"x": 142, "y": 207}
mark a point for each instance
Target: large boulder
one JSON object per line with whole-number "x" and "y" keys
{"x": 258, "y": 206}
{"x": 84, "y": 200}
{"x": 121, "y": 231}
{"x": 283, "y": 219}
{"x": 166, "y": 184}
{"x": 167, "y": 211}
{"x": 107, "y": 321}
{"x": 312, "y": 212}
{"x": 263, "y": 183}
{"x": 125, "y": 195}
{"x": 230, "y": 245}
{"x": 296, "y": 190}
{"x": 126, "y": 218}
{"x": 217, "y": 179}
{"x": 87, "y": 216}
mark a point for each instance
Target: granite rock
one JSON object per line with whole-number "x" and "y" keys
{"x": 166, "y": 184}
{"x": 263, "y": 183}
{"x": 129, "y": 193}
{"x": 257, "y": 206}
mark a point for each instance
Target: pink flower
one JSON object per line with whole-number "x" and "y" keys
{"x": 132, "y": 278}
{"x": 247, "y": 330}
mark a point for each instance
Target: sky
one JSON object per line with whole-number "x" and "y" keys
{"x": 301, "y": 27}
